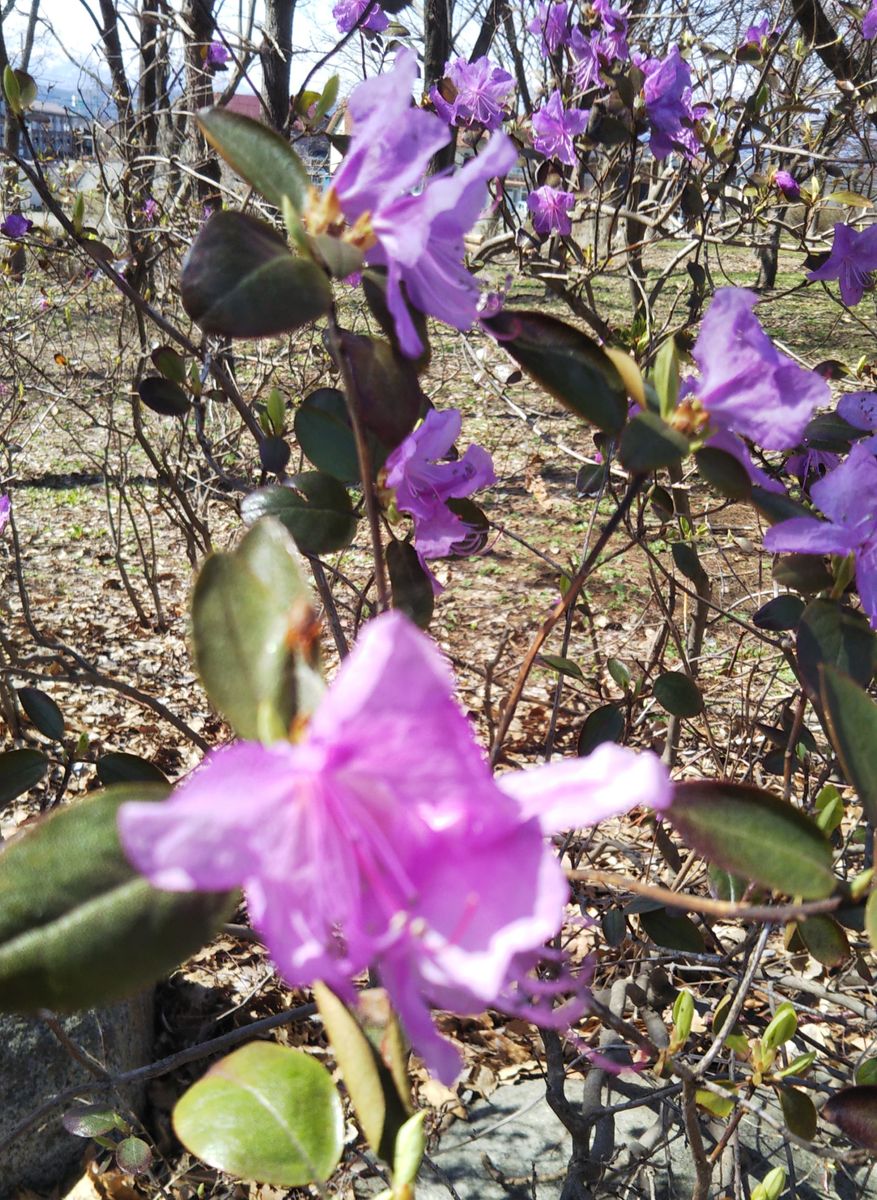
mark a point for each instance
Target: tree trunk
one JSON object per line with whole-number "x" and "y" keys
{"x": 436, "y": 52}
{"x": 276, "y": 56}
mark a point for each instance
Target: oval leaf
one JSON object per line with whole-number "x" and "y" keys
{"x": 163, "y": 396}
{"x": 830, "y": 634}
{"x": 798, "y": 1112}
{"x": 852, "y": 723}
{"x": 723, "y": 472}
{"x": 411, "y": 586}
{"x": 566, "y": 363}
{"x": 259, "y": 155}
{"x": 133, "y": 1156}
{"x": 678, "y": 694}
{"x": 825, "y": 940}
{"x": 648, "y": 443}
{"x": 265, "y": 1113}
{"x": 755, "y": 834}
{"x": 20, "y": 770}
{"x": 315, "y": 508}
{"x": 672, "y": 931}
{"x": 43, "y": 712}
{"x": 604, "y": 724}
{"x": 322, "y": 429}
{"x": 783, "y": 612}
{"x": 854, "y": 1110}
{"x": 121, "y": 767}
{"x": 240, "y": 280}
{"x": 78, "y": 925}
{"x": 169, "y": 363}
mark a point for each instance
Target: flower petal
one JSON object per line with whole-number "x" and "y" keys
{"x": 807, "y": 535}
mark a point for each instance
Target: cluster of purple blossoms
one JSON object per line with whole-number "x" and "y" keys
{"x": 670, "y": 113}
{"x": 809, "y": 465}
{"x": 216, "y": 56}
{"x": 555, "y": 128}
{"x": 15, "y": 226}
{"x": 787, "y": 185}
{"x": 551, "y": 208}
{"x": 869, "y": 22}
{"x": 382, "y": 837}
{"x": 347, "y": 12}
{"x": 594, "y": 52}
{"x": 418, "y": 238}
{"x": 759, "y": 35}
{"x": 5, "y": 506}
{"x": 848, "y": 497}
{"x": 423, "y": 484}
{"x": 150, "y": 209}
{"x": 746, "y": 386}
{"x": 551, "y": 24}
{"x": 481, "y": 94}
{"x": 852, "y": 259}
{"x": 859, "y": 409}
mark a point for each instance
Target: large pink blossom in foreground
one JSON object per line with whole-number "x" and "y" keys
{"x": 383, "y": 838}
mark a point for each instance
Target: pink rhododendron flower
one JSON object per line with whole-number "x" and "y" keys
{"x": 869, "y": 22}
{"x": 381, "y": 837}
{"x": 787, "y": 184}
{"x": 348, "y": 12}
{"x": 667, "y": 94}
{"x": 418, "y": 238}
{"x": 551, "y": 208}
{"x": 746, "y": 385}
{"x": 555, "y": 128}
{"x": 848, "y": 497}
{"x": 15, "y": 226}
{"x": 852, "y": 259}
{"x": 551, "y": 23}
{"x": 423, "y": 483}
{"x": 5, "y": 506}
{"x": 482, "y": 92}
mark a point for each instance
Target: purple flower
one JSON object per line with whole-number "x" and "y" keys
{"x": 481, "y": 93}
{"x": 859, "y": 409}
{"x": 869, "y": 22}
{"x": 150, "y": 209}
{"x": 614, "y": 27}
{"x": 852, "y": 259}
{"x": 348, "y": 12}
{"x": 551, "y": 208}
{"x": 382, "y": 837}
{"x": 418, "y": 238}
{"x": 731, "y": 444}
{"x": 810, "y": 465}
{"x": 423, "y": 483}
{"x": 15, "y": 226}
{"x": 787, "y": 184}
{"x": 551, "y": 23}
{"x": 667, "y": 93}
{"x": 555, "y": 128}
{"x": 590, "y": 55}
{"x": 5, "y": 506}
{"x": 746, "y": 385}
{"x": 848, "y": 497}
{"x": 759, "y": 35}
{"x": 217, "y": 56}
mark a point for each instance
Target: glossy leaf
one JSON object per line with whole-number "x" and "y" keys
{"x": 563, "y": 666}
{"x": 825, "y": 940}
{"x": 832, "y": 635}
{"x": 253, "y": 632}
{"x": 852, "y": 723}
{"x": 20, "y": 770}
{"x": 723, "y": 472}
{"x": 678, "y": 694}
{"x": 604, "y": 724}
{"x": 854, "y": 1111}
{"x": 265, "y": 1113}
{"x": 388, "y": 392}
{"x": 240, "y": 280}
{"x": 169, "y": 363}
{"x": 755, "y": 834}
{"x": 322, "y": 429}
{"x": 648, "y": 443}
{"x": 259, "y": 154}
{"x": 120, "y": 767}
{"x": 673, "y": 931}
{"x": 90, "y": 1120}
{"x": 410, "y": 585}
{"x": 163, "y": 397}
{"x": 78, "y": 925}
{"x": 133, "y": 1156}
{"x": 783, "y": 612}
{"x": 566, "y": 363}
{"x": 274, "y": 455}
{"x": 803, "y": 572}
{"x": 717, "y": 1106}
{"x": 687, "y": 562}
{"x": 314, "y": 507}
{"x": 43, "y": 712}
{"x": 777, "y": 506}
{"x": 828, "y": 431}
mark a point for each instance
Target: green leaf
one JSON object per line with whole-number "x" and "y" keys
{"x": 12, "y": 91}
{"x": 43, "y": 712}
{"x": 120, "y": 767}
{"x": 27, "y": 89}
{"x": 828, "y": 431}
{"x": 755, "y": 834}
{"x": 825, "y": 940}
{"x": 850, "y": 199}
{"x": 274, "y": 455}
{"x": 772, "y": 1186}
{"x": 20, "y": 770}
{"x": 666, "y": 377}
{"x": 852, "y": 723}
{"x": 163, "y": 396}
{"x": 259, "y": 155}
{"x": 678, "y": 694}
{"x": 567, "y": 363}
{"x": 265, "y": 1113}
{"x": 648, "y": 443}
{"x": 390, "y": 398}
{"x": 78, "y": 925}
{"x": 409, "y": 1150}
{"x": 718, "y": 1106}
{"x": 673, "y": 931}
{"x": 783, "y": 612}
{"x": 369, "y": 1083}
{"x": 169, "y": 363}
{"x": 253, "y": 634}
{"x": 564, "y": 666}
{"x": 604, "y": 724}
{"x": 782, "y": 1027}
{"x": 829, "y": 809}
{"x": 328, "y": 97}
{"x": 133, "y": 1156}
{"x": 619, "y": 672}
{"x": 777, "y": 506}
{"x": 832, "y": 635}
{"x": 854, "y": 1110}
{"x": 802, "y": 572}
{"x": 90, "y": 1120}
{"x": 723, "y": 472}
{"x": 322, "y": 429}
{"x": 410, "y": 585}
{"x": 687, "y": 562}
{"x": 240, "y": 280}
{"x": 866, "y": 1072}
{"x": 871, "y": 923}
{"x": 314, "y": 507}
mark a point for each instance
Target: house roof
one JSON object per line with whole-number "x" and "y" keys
{"x": 247, "y": 105}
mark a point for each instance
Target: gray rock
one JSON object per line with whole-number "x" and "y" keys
{"x": 34, "y": 1067}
